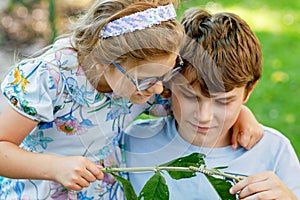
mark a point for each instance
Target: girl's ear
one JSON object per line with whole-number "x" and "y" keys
{"x": 100, "y": 67}
{"x": 250, "y": 89}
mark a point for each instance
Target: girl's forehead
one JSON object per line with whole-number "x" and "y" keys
{"x": 151, "y": 66}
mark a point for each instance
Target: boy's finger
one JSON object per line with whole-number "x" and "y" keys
{"x": 238, "y": 187}
{"x": 247, "y": 181}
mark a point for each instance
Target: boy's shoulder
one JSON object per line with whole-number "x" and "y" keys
{"x": 274, "y": 134}
{"x": 275, "y": 138}
{"x": 148, "y": 126}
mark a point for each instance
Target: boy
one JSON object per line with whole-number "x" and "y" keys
{"x": 222, "y": 66}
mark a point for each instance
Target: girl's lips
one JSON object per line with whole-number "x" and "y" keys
{"x": 145, "y": 95}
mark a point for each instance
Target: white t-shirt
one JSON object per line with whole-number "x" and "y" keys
{"x": 153, "y": 142}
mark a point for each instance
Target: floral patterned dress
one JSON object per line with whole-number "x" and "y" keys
{"x": 74, "y": 119}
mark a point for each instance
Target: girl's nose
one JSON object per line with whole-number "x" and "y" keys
{"x": 157, "y": 88}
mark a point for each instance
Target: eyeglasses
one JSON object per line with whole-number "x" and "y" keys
{"x": 144, "y": 84}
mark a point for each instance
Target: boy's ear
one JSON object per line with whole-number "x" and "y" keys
{"x": 250, "y": 89}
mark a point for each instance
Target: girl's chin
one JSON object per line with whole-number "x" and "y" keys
{"x": 139, "y": 99}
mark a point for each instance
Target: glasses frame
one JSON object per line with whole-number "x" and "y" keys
{"x": 152, "y": 80}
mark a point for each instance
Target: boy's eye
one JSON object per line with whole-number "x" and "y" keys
{"x": 222, "y": 102}
{"x": 189, "y": 95}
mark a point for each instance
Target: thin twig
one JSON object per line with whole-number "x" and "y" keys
{"x": 207, "y": 171}
{"x": 141, "y": 169}
{"x": 203, "y": 170}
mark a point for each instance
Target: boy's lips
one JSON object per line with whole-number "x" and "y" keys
{"x": 201, "y": 128}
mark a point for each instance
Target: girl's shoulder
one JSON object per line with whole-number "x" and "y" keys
{"x": 48, "y": 78}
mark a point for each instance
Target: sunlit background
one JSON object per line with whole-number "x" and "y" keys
{"x": 277, "y": 24}
{"x": 28, "y": 25}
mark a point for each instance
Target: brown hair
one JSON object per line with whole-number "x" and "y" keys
{"x": 222, "y": 49}
{"x": 158, "y": 40}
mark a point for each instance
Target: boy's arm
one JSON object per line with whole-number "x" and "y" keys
{"x": 264, "y": 185}
{"x": 246, "y": 131}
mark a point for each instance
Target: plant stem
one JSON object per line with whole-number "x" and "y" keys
{"x": 207, "y": 171}
{"x": 141, "y": 169}
{"x": 184, "y": 169}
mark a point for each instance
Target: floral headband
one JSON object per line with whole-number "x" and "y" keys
{"x": 138, "y": 21}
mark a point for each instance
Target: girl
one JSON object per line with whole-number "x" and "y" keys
{"x": 69, "y": 105}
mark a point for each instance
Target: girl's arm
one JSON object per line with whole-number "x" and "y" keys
{"x": 246, "y": 131}
{"x": 73, "y": 172}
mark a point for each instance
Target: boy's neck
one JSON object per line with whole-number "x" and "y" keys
{"x": 207, "y": 140}
{"x": 222, "y": 140}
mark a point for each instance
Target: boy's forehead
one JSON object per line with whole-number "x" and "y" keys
{"x": 192, "y": 86}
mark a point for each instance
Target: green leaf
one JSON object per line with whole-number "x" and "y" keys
{"x": 155, "y": 188}
{"x": 222, "y": 187}
{"x": 194, "y": 159}
{"x": 128, "y": 189}
{"x": 221, "y": 167}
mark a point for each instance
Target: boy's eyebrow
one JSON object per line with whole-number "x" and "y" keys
{"x": 186, "y": 89}
{"x": 223, "y": 98}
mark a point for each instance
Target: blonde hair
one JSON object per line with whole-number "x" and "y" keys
{"x": 222, "y": 49}
{"x": 158, "y": 40}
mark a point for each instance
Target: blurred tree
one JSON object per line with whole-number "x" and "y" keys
{"x": 26, "y": 3}
{"x": 25, "y": 23}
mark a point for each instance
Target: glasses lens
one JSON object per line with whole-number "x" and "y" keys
{"x": 172, "y": 74}
{"x": 147, "y": 83}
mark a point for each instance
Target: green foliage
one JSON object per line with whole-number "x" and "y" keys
{"x": 128, "y": 189}
{"x": 183, "y": 167}
{"x": 30, "y": 4}
{"x": 27, "y": 3}
{"x": 195, "y": 159}
{"x": 155, "y": 188}
{"x": 222, "y": 187}
{"x": 52, "y": 19}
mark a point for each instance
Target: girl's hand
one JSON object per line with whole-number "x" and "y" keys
{"x": 76, "y": 172}
{"x": 264, "y": 185}
{"x": 246, "y": 131}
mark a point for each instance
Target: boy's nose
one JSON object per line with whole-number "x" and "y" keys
{"x": 205, "y": 112}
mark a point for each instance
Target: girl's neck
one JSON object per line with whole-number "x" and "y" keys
{"x": 103, "y": 86}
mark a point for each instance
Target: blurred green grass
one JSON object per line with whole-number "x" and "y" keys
{"x": 277, "y": 25}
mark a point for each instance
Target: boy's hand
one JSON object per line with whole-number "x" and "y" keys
{"x": 76, "y": 172}
{"x": 246, "y": 131}
{"x": 264, "y": 185}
